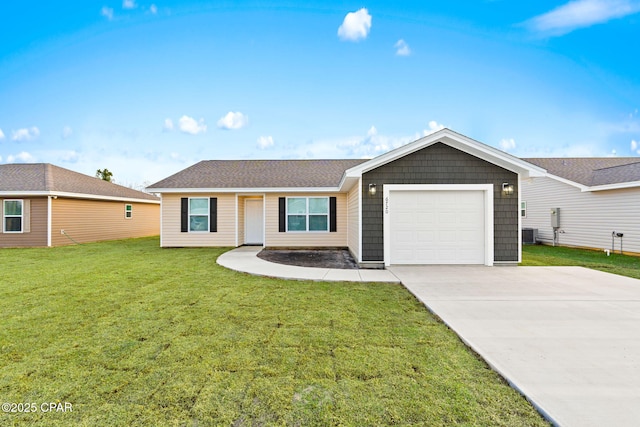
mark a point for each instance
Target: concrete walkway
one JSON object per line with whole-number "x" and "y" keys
{"x": 567, "y": 337}
{"x": 245, "y": 259}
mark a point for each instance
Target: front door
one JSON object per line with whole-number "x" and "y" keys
{"x": 254, "y": 222}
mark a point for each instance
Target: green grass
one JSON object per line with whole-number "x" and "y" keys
{"x": 131, "y": 334}
{"x": 624, "y": 265}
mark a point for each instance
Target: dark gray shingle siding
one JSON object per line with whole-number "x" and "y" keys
{"x": 441, "y": 164}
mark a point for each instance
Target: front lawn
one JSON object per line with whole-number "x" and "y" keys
{"x": 131, "y": 334}
{"x": 624, "y": 265}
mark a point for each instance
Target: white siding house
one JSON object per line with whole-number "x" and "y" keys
{"x": 605, "y": 201}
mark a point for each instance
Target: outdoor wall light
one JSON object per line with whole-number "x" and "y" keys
{"x": 372, "y": 189}
{"x": 507, "y": 189}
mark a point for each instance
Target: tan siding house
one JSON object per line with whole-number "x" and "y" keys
{"x": 595, "y": 197}
{"x": 327, "y": 203}
{"x": 45, "y": 205}
{"x": 254, "y": 204}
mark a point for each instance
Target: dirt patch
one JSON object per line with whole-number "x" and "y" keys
{"x": 322, "y": 258}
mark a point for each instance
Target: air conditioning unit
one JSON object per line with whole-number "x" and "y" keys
{"x": 529, "y": 236}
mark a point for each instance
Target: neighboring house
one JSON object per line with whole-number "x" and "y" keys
{"x": 438, "y": 200}
{"x": 46, "y": 205}
{"x": 595, "y": 198}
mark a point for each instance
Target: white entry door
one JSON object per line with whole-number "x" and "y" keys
{"x": 254, "y": 222}
{"x": 437, "y": 227}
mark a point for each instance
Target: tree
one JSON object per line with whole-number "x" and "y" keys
{"x": 104, "y": 174}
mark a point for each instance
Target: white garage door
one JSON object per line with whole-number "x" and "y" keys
{"x": 437, "y": 227}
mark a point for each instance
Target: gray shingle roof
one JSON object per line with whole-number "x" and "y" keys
{"x": 45, "y": 177}
{"x": 260, "y": 174}
{"x": 591, "y": 171}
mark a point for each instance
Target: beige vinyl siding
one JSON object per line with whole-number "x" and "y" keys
{"x": 353, "y": 218}
{"x": 34, "y": 224}
{"x": 305, "y": 239}
{"x": 587, "y": 218}
{"x": 173, "y": 237}
{"x": 95, "y": 220}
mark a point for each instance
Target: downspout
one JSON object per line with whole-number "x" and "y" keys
{"x": 237, "y": 220}
{"x": 519, "y": 220}
{"x": 360, "y": 219}
{"x": 49, "y": 205}
{"x": 161, "y": 218}
{"x": 264, "y": 220}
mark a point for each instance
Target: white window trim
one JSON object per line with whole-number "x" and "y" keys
{"x": 522, "y": 202}
{"x": 189, "y": 215}
{"x": 307, "y": 214}
{"x": 5, "y": 216}
{"x": 128, "y": 211}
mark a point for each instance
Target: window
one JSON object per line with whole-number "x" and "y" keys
{"x": 199, "y": 214}
{"x": 12, "y": 216}
{"x": 128, "y": 211}
{"x": 307, "y": 214}
{"x": 523, "y": 209}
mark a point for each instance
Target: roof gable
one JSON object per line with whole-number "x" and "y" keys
{"x": 457, "y": 141}
{"x": 45, "y": 178}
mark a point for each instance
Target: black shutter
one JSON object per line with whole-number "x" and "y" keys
{"x": 282, "y": 214}
{"x": 184, "y": 214}
{"x": 213, "y": 214}
{"x": 333, "y": 215}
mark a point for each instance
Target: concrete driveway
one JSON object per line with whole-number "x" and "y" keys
{"x": 567, "y": 337}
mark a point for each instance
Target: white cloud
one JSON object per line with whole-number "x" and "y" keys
{"x": 167, "y": 126}
{"x": 635, "y": 146}
{"x": 129, "y": 4}
{"x": 371, "y": 145}
{"x": 69, "y": 156}
{"x": 233, "y": 120}
{"x": 265, "y": 142}
{"x": 107, "y": 12}
{"x": 402, "y": 48}
{"x": 153, "y": 9}
{"x": 190, "y": 125}
{"x": 1, "y": 135}
{"x": 580, "y": 14}
{"x": 25, "y": 134}
{"x": 355, "y": 26}
{"x": 433, "y": 127}
{"x": 66, "y": 132}
{"x": 507, "y": 144}
{"x": 22, "y": 157}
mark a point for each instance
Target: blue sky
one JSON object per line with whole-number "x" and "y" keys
{"x": 147, "y": 88}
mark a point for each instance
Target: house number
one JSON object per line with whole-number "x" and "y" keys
{"x": 386, "y": 205}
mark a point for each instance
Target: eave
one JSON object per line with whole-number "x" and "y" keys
{"x": 74, "y": 196}
{"x": 244, "y": 190}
